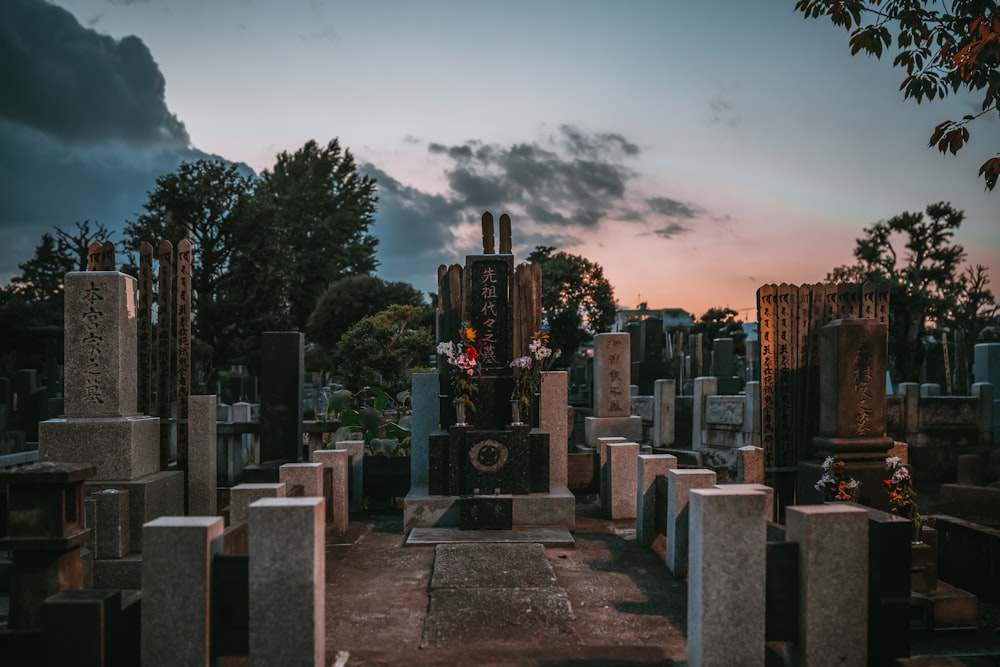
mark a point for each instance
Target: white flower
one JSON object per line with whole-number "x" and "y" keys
{"x": 828, "y": 464}
{"x": 891, "y": 462}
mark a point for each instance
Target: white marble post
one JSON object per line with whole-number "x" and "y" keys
{"x": 287, "y": 553}
{"x": 726, "y": 577}
{"x": 650, "y": 467}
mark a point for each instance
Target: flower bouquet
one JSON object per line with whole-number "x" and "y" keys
{"x": 835, "y": 485}
{"x": 901, "y": 493}
{"x": 461, "y": 356}
{"x": 528, "y": 371}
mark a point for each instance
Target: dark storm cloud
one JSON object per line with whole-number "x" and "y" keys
{"x": 673, "y": 208}
{"x": 76, "y": 85}
{"x": 671, "y": 230}
{"x": 84, "y": 128}
{"x": 576, "y": 180}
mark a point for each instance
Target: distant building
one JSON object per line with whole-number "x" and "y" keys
{"x": 673, "y": 318}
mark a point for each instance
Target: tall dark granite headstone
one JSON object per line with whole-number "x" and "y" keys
{"x": 282, "y": 370}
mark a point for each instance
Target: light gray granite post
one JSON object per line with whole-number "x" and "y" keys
{"x": 337, "y": 461}
{"x": 679, "y": 485}
{"x": 552, "y": 418}
{"x": 356, "y": 453}
{"x": 307, "y": 475}
{"x": 612, "y": 370}
{"x": 622, "y": 470}
{"x": 287, "y": 554}
{"x": 664, "y": 413}
{"x": 703, "y": 387}
{"x": 728, "y": 568}
{"x": 833, "y": 584}
{"x": 242, "y": 496}
{"x": 425, "y": 389}
{"x": 602, "y": 467}
{"x": 750, "y": 465}
{"x": 242, "y": 446}
{"x": 176, "y": 584}
{"x": 764, "y": 489}
{"x": 650, "y": 467}
{"x": 203, "y": 456}
{"x": 111, "y": 515}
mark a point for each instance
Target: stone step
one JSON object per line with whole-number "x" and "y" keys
{"x": 948, "y": 607}
{"x": 550, "y": 536}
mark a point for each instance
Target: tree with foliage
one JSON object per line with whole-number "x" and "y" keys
{"x": 383, "y": 349}
{"x": 339, "y": 306}
{"x": 202, "y": 201}
{"x": 577, "y": 300}
{"x": 33, "y": 301}
{"x": 925, "y": 283}
{"x": 719, "y": 322}
{"x": 317, "y": 209}
{"x": 944, "y": 47}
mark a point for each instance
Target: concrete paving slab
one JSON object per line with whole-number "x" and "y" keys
{"x": 491, "y": 566}
{"x": 550, "y": 536}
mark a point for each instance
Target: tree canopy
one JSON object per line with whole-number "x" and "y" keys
{"x": 720, "y": 322}
{"x": 944, "y": 47}
{"x": 929, "y": 291}
{"x": 577, "y": 300}
{"x": 383, "y": 349}
{"x": 339, "y": 306}
{"x": 265, "y": 247}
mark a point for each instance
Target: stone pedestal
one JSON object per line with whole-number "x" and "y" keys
{"x": 623, "y": 462}
{"x": 119, "y": 447}
{"x": 336, "y": 463}
{"x": 651, "y": 466}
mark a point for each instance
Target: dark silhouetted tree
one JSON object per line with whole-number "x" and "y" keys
{"x": 577, "y": 300}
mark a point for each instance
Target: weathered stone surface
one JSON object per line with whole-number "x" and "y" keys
{"x": 149, "y": 497}
{"x": 629, "y": 428}
{"x": 726, "y": 594}
{"x": 493, "y": 592}
{"x": 101, "y": 340}
{"x": 552, "y": 418}
{"x": 750, "y": 465}
{"x": 338, "y": 495}
{"x": 242, "y": 496}
{"x": 288, "y": 589}
{"x": 112, "y": 519}
{"x": 642, "y": 407}
{"x": 764, "y": 489}
{"x": 853, "y": 359}
{"x": 722, "y": 411}
{"x": 356, "y": 465}
{"x": 679, "y": 485}
{"x": 650, "y": 466}
{"x": 664, "y": 412}
{"x": 122, "y": 448}
{"x": 612, "y": 369}
{"x": 202, "y": 456}
{"x": 309, "y": 476}
{"x": 622, "y": 479}
{"x": 176, "y": 584}
{"x": 821, "y": 605}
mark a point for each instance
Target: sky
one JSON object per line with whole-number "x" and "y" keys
{"x": 696, "y": 151}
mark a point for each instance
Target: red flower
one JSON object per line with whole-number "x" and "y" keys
{"x": 887, "y": 483}
{"x": 471, "y": 353}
